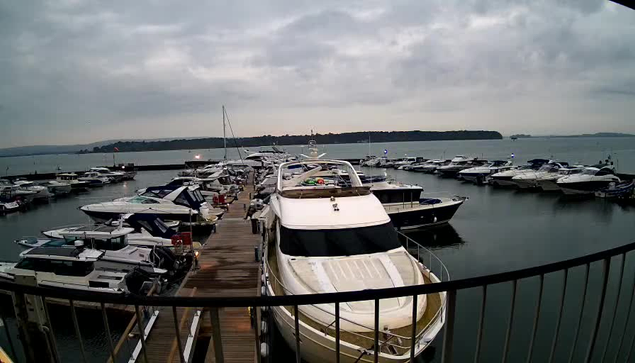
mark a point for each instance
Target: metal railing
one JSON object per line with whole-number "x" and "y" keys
{"x": 604, "y": 314}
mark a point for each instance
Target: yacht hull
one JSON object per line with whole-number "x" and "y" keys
{"x": 587, "y": 187}
{"x": 548, "y": 185}
{"x": 404, "y": 216}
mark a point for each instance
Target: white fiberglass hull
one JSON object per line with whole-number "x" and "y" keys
{"x": 319, "y": 347}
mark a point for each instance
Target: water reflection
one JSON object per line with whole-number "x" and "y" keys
{"x": 601, "y": 210}
{"x": 440, "y": 236}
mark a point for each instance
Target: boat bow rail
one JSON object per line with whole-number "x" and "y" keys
{"x": 596, "y": 316}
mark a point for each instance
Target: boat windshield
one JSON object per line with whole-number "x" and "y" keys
{"x": 590, "y": 171}
{"x": 338, "y": 242}
{"x": 142, "y": 200}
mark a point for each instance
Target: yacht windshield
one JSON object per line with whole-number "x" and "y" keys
{"x": 142, "y": 200}
{"x": 590, "y": 171}
{"x": 338, "y": 242}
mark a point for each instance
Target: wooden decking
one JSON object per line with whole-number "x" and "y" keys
{"x": 227, "y": 267}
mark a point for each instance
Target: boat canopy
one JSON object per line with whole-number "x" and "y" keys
{"x": 151, "y": 223}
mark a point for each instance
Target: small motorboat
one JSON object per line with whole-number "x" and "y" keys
{"x": 41, "y": 193}
{"x": 58, "y": 188}
{"x": 530, "y": 179}
{"x": 614, "y": 190}
{"x": 9, "y": 207}
{"x": 504, "y": 178}
{"x": 478, "y": 175}
{"x": 95, "y": 179}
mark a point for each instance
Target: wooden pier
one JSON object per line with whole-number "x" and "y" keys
{"x": 226, "y": 267}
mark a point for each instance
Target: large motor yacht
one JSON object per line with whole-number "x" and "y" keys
{"x": 457, "y": 164}
{"x": 185, "y": 204}
{"x": 64, "y": 268}
{"x": 331, "y": 234}
{"x": 73, "y": 180}
{"x": 591, "y": 179}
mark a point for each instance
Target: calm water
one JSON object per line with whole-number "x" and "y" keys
{"x": 583, "y": 150}
{"x": 494, "y": 231}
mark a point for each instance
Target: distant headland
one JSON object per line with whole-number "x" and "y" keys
{"x": 322, "y": 139}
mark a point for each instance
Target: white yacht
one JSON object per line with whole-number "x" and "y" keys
{"x": 324, "y": 243}
{"x": 548, "y": 181}
{"x": 41, "y": 193}
{"x": 114, "y": 176}
{"x": 147, "y": 231}
{"x": 478, "y": 174}
{"x": 403, "y": 162}
{"x": 94, "y": 179}
{"x": 118, "y": 254}
{"x": 589, "y": 181}
{"x": 185, "y": 204}
{"x": 73, "y": 180}
{"x": 457, "y": 164}
{"x": 529, "y": 180}
{"x": 58, "y": 188}
{"x": 13, "y": 193}
{"x": 64, "y": 268}
{"x": 504, "y": 178}
{"x": 431, "y": 166}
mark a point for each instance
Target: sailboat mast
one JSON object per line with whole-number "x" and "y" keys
{"x": 224, "y": 135}
{"x": 369, "y": 144}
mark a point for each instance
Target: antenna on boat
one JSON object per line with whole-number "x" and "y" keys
{"x": 224, "y": 135}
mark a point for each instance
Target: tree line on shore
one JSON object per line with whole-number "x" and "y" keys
{"x": 323, "y": 139}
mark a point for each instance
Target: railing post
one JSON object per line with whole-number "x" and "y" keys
{"x": 536, "y": 318}
{"x": 606, "y": 266}
{"x": 413, "y": 332}
{"x": 617, "y": 303}
{"x": 3, "y": 321}
{"x": 511, "y": 320}
{"x": 298, "y": 356}
{"x": 376, "y": 347}
{"x": 77, "y": 331}
{"x": 107, "y": 331}
{"x": 177, "y": 334}
{"x": 626, "y": 319}
{"x": 552, "y": 354}
{"x": 481, "y": 323}
{"x": 142, "y": 337}
{"x": 337, "y": 332}
{"x": 216, "y": 335}
{"x": 448, "y": 335}
{"x": 581, "y": 313}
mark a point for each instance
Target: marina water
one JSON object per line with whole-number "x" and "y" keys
{"x": 496, "y": 230}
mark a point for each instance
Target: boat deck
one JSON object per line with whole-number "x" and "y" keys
{"x": 226, "y": 267}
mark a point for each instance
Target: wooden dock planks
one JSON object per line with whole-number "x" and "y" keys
{"x": 227, "y": 267}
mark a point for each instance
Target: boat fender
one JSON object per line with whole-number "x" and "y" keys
{"x": 263, "y": 327}
{"x": 264, "y": 350}
{"x": 263, "y": 291}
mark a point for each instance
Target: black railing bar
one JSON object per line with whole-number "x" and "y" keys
{"x": 556, "y": 334}
{"x": 308, "y": 299}
{"x": 448, "y": 334}
{"x": 536, "y": 319}
{"x": 617, "y": 304}
{"x": 47, "y": 314}
{"x": 630, "y": 351}
{"x": 337, "y": 332}
{"x": 510, "y": 323}
{"x": 177, "y": 334}
{"x": 376, "y": 346}
{"x": 107, "y": 331}
{"x": 298, "y": 356}
{"x": 142, "y": 337}
{"x": 628, "y": 317}
{"x": 77, "y": 331}
{"x": 581, "y": 313}
{"x": 481, "y": 322}
{"x": 413, "y": 339}
{"x": 218, "y": 340}
{"x": 8, "y": 333}
{"x": 606, "y": 266}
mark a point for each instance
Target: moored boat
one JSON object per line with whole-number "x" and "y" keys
{"x": 322, "y": 243}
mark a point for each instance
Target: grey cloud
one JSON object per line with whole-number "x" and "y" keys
{"x": 67, "y": 62}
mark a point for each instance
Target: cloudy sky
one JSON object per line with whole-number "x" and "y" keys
{"x": 83, "y": 71}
